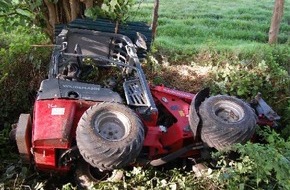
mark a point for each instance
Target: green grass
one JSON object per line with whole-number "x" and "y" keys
{"x": 187, "y": 25}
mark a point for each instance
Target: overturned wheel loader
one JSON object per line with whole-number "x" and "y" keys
{"x": 96, "y": 111}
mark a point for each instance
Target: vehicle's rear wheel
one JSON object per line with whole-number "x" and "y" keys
{"x": 87, "y": 176}
{"x": 109, "y": 136}
{"x": 226, "y": 120}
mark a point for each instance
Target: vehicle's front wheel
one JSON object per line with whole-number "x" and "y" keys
{"x": 226, "y": 120}
{"x": 109, "y": 136}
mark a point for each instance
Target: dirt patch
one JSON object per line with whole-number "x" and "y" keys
{"x": 182, "y": 77}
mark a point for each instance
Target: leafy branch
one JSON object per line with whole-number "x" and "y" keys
{"x": 116, "y": 10}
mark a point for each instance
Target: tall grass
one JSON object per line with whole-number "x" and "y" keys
{"x": 190, "y": 25}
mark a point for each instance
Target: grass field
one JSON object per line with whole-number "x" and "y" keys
{"x": 190, "y": 25}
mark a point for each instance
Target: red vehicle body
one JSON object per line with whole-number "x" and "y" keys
{"x": 58, "y": 119}
{"x": 173, "y": 124}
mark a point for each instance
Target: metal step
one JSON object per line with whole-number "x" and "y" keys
{"x": 134, "y": 93}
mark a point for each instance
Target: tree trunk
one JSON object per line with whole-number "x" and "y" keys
{"x": 74, "y": 8}
{"x": 50, "y": 18}
{"x": 66, "y": 9}
{"x": 88, "y": 3}
{"x": 51, "y": 12}
{"x": 155, "y": 18}
{"x": 276, "y": 20}
{"x": 63, "y": 11}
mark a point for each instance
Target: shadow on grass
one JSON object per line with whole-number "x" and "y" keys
{"x": 181, "y": 77}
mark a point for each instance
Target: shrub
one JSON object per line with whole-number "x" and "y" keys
{"x": 21, "y": 68}
{"x": 260, "y": 166}
{"x": 246, "y": 73}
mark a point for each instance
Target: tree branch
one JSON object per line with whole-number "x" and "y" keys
{"x": 8, "y": 14}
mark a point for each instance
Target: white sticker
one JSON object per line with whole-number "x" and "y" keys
{"x": 57, "y": 111}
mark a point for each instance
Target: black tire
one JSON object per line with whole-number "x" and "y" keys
{"x": 226, "y": 120}
{"x": 109, "y": 136}
{"x": 87, "y": 176}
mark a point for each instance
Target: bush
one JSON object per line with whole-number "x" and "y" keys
{"x": 244, "y": 74}
{"x": 260, "y": 166}
{"x": 21, "y": 68}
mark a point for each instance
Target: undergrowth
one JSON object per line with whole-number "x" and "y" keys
{"x": 21, "y": 67}
{"x": 261, "y": 69}
{"x": 261, "y": 165}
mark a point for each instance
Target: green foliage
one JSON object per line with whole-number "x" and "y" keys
{"x": 247, "y": 79}
{"x": 14, "y": 13}
{"x": 260, "y": 166}
{"x": 21, "y": 68}
{"x": 150, "y": 178}
{"x": 285, "y": 132}
{"x": 244, "y": 74}
{"x": 116, "y": 10}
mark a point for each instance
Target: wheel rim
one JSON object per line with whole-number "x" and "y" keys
{"x": 112, "y": 126}
{"x": 228, "y": 112}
